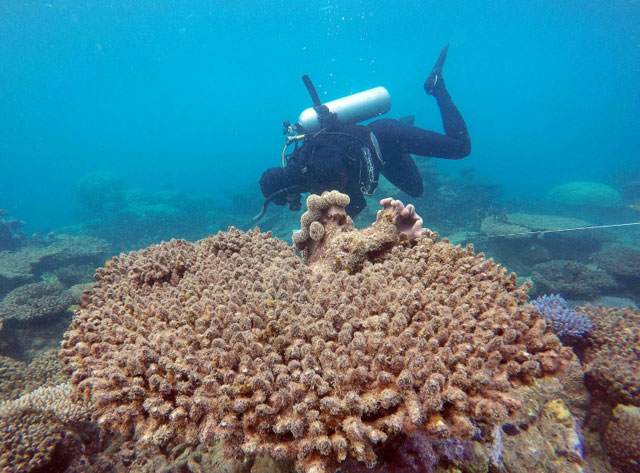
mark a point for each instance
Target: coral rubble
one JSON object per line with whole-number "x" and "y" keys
{"x": 380, "y": 332}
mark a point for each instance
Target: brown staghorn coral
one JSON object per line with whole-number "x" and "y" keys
{"x": 622, "y": 438}
{"x": 33, "y": 425}
{"x": 234, "y": 338}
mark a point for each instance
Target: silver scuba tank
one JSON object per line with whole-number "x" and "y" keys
{"x": 349, "y": 110}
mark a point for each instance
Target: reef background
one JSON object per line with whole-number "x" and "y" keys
{"x": 191, "y": 95}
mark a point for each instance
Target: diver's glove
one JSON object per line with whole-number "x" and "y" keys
{"x": 435, "y": 82}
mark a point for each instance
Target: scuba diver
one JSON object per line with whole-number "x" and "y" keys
{"x": 332, "y": 151}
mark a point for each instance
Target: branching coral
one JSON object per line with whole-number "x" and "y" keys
{"x": 234, "y": 338}
{"x": 566, "y": 322}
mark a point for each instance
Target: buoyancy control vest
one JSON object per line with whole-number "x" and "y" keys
{"x": 351, "y": 147}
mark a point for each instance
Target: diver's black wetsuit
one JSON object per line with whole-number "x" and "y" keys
{"x": 398, "y": 138}
{"x": 337, "y": 158}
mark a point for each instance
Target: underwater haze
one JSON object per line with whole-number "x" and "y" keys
{"x": 191, "y": 95}
{"x": 474, "y": 314}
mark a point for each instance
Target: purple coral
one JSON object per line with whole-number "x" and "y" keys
{"x": 566, "y": 322}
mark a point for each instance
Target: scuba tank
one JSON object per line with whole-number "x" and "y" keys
{"x": 347, "y": 110}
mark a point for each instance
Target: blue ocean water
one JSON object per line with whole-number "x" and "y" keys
{"x": 191, "y": 95}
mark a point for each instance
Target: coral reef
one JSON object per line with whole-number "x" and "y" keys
{"x": 322, "y": 211}
{"x": 524, "y": 222}
{"x": 417, "y": 453}
{"x": 43, "y": 371}
{"x": 573, "y": 279}
{"x": 234, "y": 338}
{"x": 523, "y": 248}
{"x": 623, "y": 263}
{"x": 134, "y": 218}
{"x": 32, "y": 426}
{"x": 494, "y": 226}
{"x": 15, "y": 270}
{"x": 543, "y": 435}
{"x": 74, "y": 274}
{"x": 546, "y": 430}
{"x": 406, "y": 220}
{"x": 586, "y": 193}
{"x": 550, "y": 435}
{"x": 18, "y": 377}
{"x": 326, "y": 215}
{"x": 622, "y": 438}
{"x": 538, "y": 222}
{"x": 619, "y": 261}
{"x": 55, "y": 253}
{"x": 453, "y": 202}
{"x": 11, "y": 377}
{"x": 10, "y": 236}
{"x": 30, "y": 289}
{"x": 36, "y": 300}
{"x": 114, "y": 454}
{"x": 565, "y": 322}
{"x": 100, "y": 192}
{"x": 612, "y": 360}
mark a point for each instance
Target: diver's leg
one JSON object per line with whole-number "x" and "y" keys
{"x": 401, "y": 171}
{"x": 452, "y": 121}
{"x": 398, "y": 137}
{"x": 454, "y": 144}
{"x": 357, "y": 202}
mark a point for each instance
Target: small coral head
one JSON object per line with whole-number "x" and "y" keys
{"x": 405, "y": 219}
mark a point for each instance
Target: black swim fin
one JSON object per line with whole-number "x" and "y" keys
{"x": 434, "y": 81}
